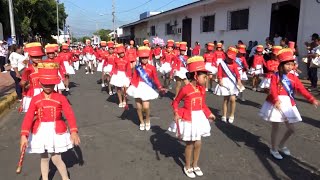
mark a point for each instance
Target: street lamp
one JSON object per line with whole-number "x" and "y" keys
{"x": 13, "y": 31}
{"x": 57, "y": 3}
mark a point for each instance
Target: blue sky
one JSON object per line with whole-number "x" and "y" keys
{"x": 86, "y": 16}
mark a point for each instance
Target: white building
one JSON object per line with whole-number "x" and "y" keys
{"x": 231, "y": 20}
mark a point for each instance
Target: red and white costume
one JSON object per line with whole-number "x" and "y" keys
{"x": 67, "y": 57}
{"x": 88, "y": 53}
{"x": 121, "y": 72}
{"x": 179, "y": 68}
{"x": 242, "y": 68}
{"x": 167, "y": 60}
{"x": 258, "y": 62}
{"x": 102, "y": 55}
{"x": 272, "y": 66}
{"x": 76, "y": 58}
{"x": 218, "y": 56}
{"x": 194, "y": 114}
{"x": 131, "y": 54}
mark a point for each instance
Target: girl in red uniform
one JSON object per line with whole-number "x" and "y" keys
{"x": 101, "y": 53}
{"x": 43, "y": 131}
{"x": 280, "y": 105}
{"x": 257, "y": 67}
{"x": 176, "y": 50}
{"x": 131, "y": 54}
{"x": 211, "y": 66}
{"x": 191, "y": 121}
{"x": 166, "y": 64}
{"x": 229, "y": 83}
{"x": 242, "y": 66}
{"x": 107, "y": 65}
{"x": 66, "y": 57}
{"x": 179, "y": 68}
{"x": 218, "y": 56}
{"x": 29, "y": 79}
{"x": 143, "y": 86}
{"x": 121, "y": 74}
{"x": 50, "y": 51}
{"x": 272, "y": 67}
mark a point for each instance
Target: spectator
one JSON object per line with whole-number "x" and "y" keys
{"x": 313, "y": 71}
{"x": 253, "y": 49}
{"x": 277, "y": 39}
{"x": 2, "y": 57}
{"x": 196, "y": 49}
{"x": 284, "y": 42}
{"x": 18, "y": 63}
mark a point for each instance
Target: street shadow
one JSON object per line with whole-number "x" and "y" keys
{"x": 113, "y": 99}
{"x": 249, "y": 103}
{"x": 73, "y": 84}
{"x": 130, "y": 114}
{"x": 99, "y": 81}
{"x": 166, "y": 145}
{"x": 70, "y": 158}
{"x": 291, "y": 167}
{"x": 311, "y": 122}
{"x": 169, "y": 94}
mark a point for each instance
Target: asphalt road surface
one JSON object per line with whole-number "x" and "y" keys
{"x": 114, "y": 148}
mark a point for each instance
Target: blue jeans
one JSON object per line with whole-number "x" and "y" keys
{"x": 17, "y": 81}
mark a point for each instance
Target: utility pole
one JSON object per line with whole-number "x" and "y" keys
{"x": 114, "y": 19}
{"x": 13, "y": 30}
{"x": 58, "y": 34}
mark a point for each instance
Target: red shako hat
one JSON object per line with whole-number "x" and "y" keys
{"x": 285, "y": 55}
{"x": 170, "y": 43}
{"x": 232, "y": 53}
{"x": 34, "y": 49}
{"x": 110, "y": 44}
{"x": 120, "y": 48}
{"x": 183, "y": 46}
{"x": 196, "y": 63}
{"x": 210, "y": 46}
{"x": 259, "y": 48}
{"x": 50, "y": 48}
{"x": 103, "y": 43}
{"x": 48, "y": 73}
{"x": 144, "y": 51}
{"x": 65, "y": 46}
{"x": 242, "y": 48}
{"x": 276, "y": 49}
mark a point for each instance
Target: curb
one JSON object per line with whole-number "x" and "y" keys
{"x": 7, "y": 101}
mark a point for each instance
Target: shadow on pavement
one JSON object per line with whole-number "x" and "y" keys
{"x": 167, "y": 145}
{"x": 70, "y": 158}
{"x": 249, "y": 103}
{"x": 130, "y": 114}
{"x": 290, "y": 166}
{"x": 311, "y": 122}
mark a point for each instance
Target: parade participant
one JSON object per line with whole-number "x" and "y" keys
{"x": 100, "y": 55}
{"x": 296, "y": 69}
{"x": 191, "y": 122}
{"x": 29, "y": 79}
{"x": 179, "y": 67}
{"x": 257, "y": 67}
{"x": 280, "y": 105}
{"x": 157, "y": 55}
{"x": 166, "y": 63}
{"x": 121, "y": 74}
{"x": 66, "y": 57}
{"x": 211, "y": 66}
{"x": 88, "y": 57}
{"x": 272, "y": 67}
{"x": 196, "y": 50}
{"x": 43, "y": 130}
{"x": 131, "y": 54}
{"x": 143, "y": 86}
{"x": 76, "y": 57}
{"x": 242, "y": 66}
{"x": 176, "y": 50}
{"x": 147, "y": 43}
{"x": 50, "y": 51}
{"x": 218, "y": 56}
{"x": 229, "y": 83}
{"x": 107, "y": 66}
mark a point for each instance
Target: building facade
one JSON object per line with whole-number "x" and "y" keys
{"x": 231, "y": 20}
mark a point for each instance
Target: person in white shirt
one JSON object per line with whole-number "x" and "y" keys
{"x": 2, "y": 57}
{"x": 18, "y": 63}
{"x": 277, "y": 39}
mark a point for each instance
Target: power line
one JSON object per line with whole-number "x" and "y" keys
{"x": 134, "y": 7}
{"x": 165, "y": 5}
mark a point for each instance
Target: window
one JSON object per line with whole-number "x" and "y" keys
{"x": 152, "y": 30}
{"x": 169, "y": 29}
{"x": 208, "y": 23}
{"x": 238, "y": 20}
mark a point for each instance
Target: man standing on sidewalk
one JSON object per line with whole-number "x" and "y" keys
{"x": 2, "y": 57}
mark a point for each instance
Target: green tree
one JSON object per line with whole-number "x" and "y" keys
{"x": 83, "y": 39}
{"x": 104, "y": 34}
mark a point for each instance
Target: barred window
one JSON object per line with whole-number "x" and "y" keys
{"x": 169, "y": 29}
{"x": 238, "y": 20}
{"x": 153, "y": 30}
{"x": 208, "y": 23}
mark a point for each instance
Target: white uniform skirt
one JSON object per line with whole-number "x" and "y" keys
{"x": 165, "y": 68}
{"x": 288, "y": 112}
{"x": 210, "y": 68}
{"x": 181, "y": 73}
{"x": 46, "y": 140}
{"x": 143, "y": 91}
{"x": 228, "y": 88}
{"x": 243, "y": 75}
{"x": 69, "y": 68}
{"x": 76, "y": 65}
{"x": 120, "y": 79}
{"x": 192, "y": 130}
{"x": 265, "y": 83}
{"x": 256, "y": 71}
{"x": 89, "y": 57}
{"x": 26, "y": 99}
{"x": 107, "y": 69}
{"x": 100, "y": 64}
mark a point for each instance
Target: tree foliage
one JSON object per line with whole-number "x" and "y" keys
{"x": 104, "y": 34}
{"x": 32, "y": 17}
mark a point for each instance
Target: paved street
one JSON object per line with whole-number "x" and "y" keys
{"x": 113, "y": 147}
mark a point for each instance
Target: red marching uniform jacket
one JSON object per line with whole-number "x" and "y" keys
{"x": 258, "y": 60}
{"x": 50, "y": 109}
{"x": 87, "y": 49}
{"x": 177, "y": 64}
{"x": 66, "y": 56}
{"x": 62, "y": 69}
{"x": 31, "y": 75}
{"x": 218, "y": 55}
{"x": 276, "y": 89}
{"x": 157, "y": 51}
{"x": 244, "y": 64}
{"x": 233, "y": 68}
{"x": 121, "y": 64}
{"x": 76, "y": 54}
{"x": 152, "y": 73}
{"x": 131, "y": 54}
{"x": 168, "y": 58}
{"x": 194, "y": 100}
{"x": 272, "y": 67}
{"x": 208, "y": 57}
{"x": 109, "y": 59}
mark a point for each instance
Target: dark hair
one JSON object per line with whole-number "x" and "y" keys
{"x": 14, "y": 47}
{"x": 190, "y": 75}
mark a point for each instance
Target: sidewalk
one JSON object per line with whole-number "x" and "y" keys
{"x": 7, "y": 91}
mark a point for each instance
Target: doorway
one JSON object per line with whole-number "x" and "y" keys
{"x": 186, "y": 32}
{"x": 285, "y": 19}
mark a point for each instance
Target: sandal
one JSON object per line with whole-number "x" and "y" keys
{"x": 197, "y": 171}
{"x": 189, "y": 172}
